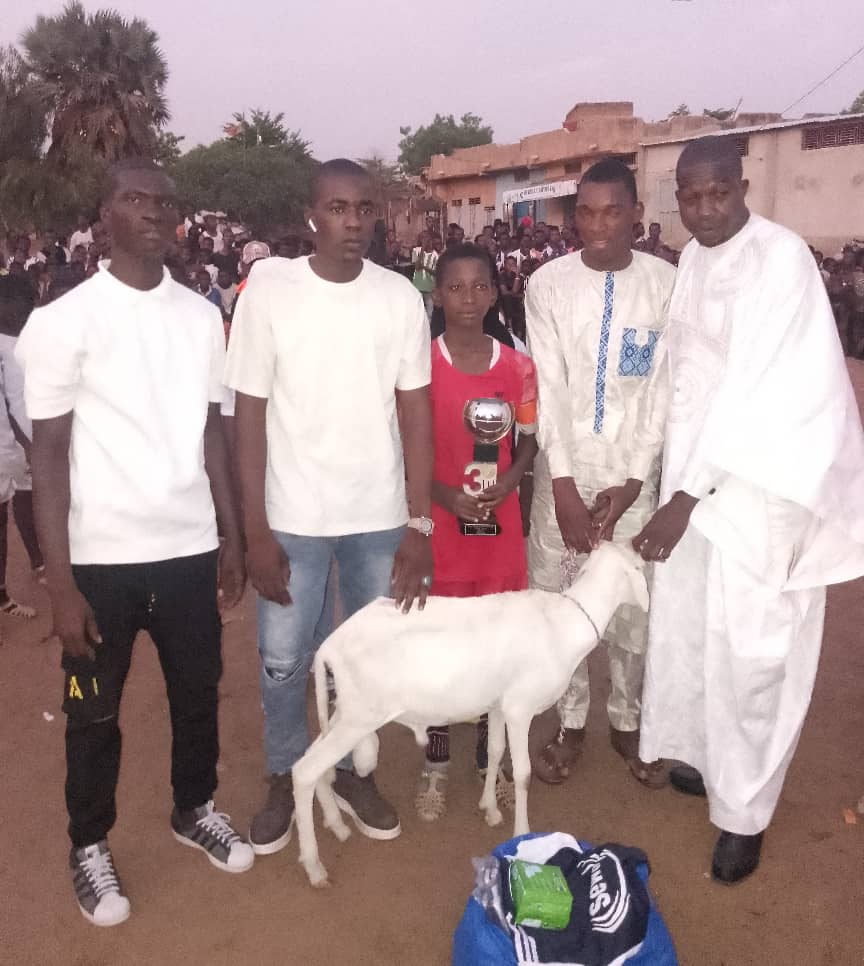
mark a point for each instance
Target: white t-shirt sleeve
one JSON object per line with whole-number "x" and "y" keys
{"x": 251, "y": 362}
{"x": 415, "y": 366}
{"x": 50, "y": 351}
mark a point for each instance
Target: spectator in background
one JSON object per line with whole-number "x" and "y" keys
{"x": 83, "y": 234}
{"x": 512, "y": 296}
{"x": 856, "y": 319}
{"x": 425, "y": 260}
{"x": 212, "y": 231}
{"x": 205, "y": 287}
{"x": 227, "y": 289}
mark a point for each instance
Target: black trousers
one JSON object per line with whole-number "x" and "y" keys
{"x": 175, "y": 602}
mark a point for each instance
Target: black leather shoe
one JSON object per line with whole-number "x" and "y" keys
{"x": 686, "y": 779}
{"x": 735, "y": 857}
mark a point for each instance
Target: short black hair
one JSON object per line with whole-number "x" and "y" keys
{"x": 612, "y": 171}
{"x": 116, "y": 170}
{"x": 340, "y": 168}
{"x": 716, "y": 150}
{"x": 460, "y": 252}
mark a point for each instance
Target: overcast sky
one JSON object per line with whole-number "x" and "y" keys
{"x": 349, "y": 73}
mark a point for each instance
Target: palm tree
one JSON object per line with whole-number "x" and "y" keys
{"x": 102, "y": 78}
{"x": 23, "y": 124}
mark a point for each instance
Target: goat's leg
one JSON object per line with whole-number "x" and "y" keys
{"x": 306, "y": 774}
{"x": 327, "y": 800}
{"x": 497, "y": 741}
{"x": 517, "y": 732}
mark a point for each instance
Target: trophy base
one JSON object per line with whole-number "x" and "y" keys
{"x": 489, "y": 529}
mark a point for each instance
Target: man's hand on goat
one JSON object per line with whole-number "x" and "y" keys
{"x": 659, "y": 537}
{"x": 611, "y": 504}
{"x": 412, "y": 570}
{"x": 574, "y": 520}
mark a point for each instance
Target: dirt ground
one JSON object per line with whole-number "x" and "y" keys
{"x": 398, "y": 902}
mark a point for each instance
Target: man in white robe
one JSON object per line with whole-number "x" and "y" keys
{"x": 596, "y": 322}
{"x": 762, "y": 505}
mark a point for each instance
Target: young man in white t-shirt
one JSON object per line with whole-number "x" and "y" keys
{"x": 123, "y": 384}
{"x": 323, "y": 351}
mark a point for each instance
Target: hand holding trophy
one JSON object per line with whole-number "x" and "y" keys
{"x": 489, "y": 421}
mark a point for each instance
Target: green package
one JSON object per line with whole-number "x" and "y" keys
{"x": 541, "y": 896}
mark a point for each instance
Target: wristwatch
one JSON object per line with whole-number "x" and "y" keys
{"x": 423, "y": 524}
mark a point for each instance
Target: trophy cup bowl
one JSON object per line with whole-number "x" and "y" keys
{"x": 489, "y": 421}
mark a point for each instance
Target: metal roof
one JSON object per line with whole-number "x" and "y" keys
{"x": 758, "y": 128}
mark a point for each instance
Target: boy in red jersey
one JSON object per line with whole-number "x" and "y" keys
{"x": 468, "y": 364}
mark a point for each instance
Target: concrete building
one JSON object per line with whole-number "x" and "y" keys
{"x": 807, "y": 175}
{"x": 539, "y": 174}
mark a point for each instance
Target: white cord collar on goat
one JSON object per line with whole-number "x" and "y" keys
{"x": 588, "y": 617}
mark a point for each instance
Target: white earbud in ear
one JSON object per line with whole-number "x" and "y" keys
{"x": 312, "y": 225}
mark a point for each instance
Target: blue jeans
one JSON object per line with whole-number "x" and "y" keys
{"x": 289, "y": 636}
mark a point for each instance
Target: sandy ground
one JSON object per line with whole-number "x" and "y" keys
{"x": 398, "y": 902}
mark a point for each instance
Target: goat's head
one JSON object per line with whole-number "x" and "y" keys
{"x": 619, "y": 564}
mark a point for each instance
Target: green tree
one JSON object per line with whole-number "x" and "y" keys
{"x": 682, "y": 110}
{"x": 260, "y": 129}
{"x": 443, "y": 136}
{"x": 168, "y": 148}
{"x": 857, "y": 106}
{"x": 263, "y": 186}
{"x": 103, "y": 79}
{"x": 387, "y": 178}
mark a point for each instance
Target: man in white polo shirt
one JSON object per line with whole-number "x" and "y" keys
{"x": 123, "y": 383}
{"x": 323, "y": 350}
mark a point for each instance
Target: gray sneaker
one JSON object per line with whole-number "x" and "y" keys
{"x": 210, "y": 831}
{"x": 97, "y": 888}
{"x": 271, "y": 828}
{"x": 360, "y": 799}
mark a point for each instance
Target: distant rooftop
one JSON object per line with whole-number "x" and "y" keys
{"x": 757, "y": 128}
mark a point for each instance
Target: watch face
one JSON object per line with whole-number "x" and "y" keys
{"x": 426, "y": 527}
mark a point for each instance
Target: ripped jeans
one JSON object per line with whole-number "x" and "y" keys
{"x": 289, "y": 636}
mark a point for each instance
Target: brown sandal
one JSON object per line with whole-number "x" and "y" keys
{"x": 653, "y": 774}
{"x": 552, "y": 765}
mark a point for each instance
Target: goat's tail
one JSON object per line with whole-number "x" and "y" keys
{"x": 321, "y": 696}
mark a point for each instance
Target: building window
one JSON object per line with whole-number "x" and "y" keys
{"x": 573, "y": 167}
{"x": 520, "y": 174}
{"x": 490, "y": 215}
{"x": 455, "y": 214}
{"x": 834, "y": 135}
{"x": 743, "y": 144}
{"x": 473, "y": 205}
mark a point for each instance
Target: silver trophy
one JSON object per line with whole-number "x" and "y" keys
{"x": 488, "y": 421}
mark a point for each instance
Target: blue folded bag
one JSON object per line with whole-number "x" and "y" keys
{"x": 480, "y": 942}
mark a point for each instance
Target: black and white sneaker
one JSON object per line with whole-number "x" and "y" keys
{"x": 208, "y": 830}
{"x": 97, "y": 887}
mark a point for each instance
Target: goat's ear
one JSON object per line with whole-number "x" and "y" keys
{"x": 640, "y": 588}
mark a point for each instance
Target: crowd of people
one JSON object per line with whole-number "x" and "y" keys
{"x": 844, "y": 279}
{"x": 348, "y": 389}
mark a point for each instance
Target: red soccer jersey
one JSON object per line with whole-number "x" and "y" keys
{"x": 511, "y": 377}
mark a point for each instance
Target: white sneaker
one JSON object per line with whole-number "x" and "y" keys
{"x": 431, "y": 798}
{"x": 97, "y": 887}
{"x": 208, "y": 830}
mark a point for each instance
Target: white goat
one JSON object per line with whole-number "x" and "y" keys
{"x": 511, "y": 655}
